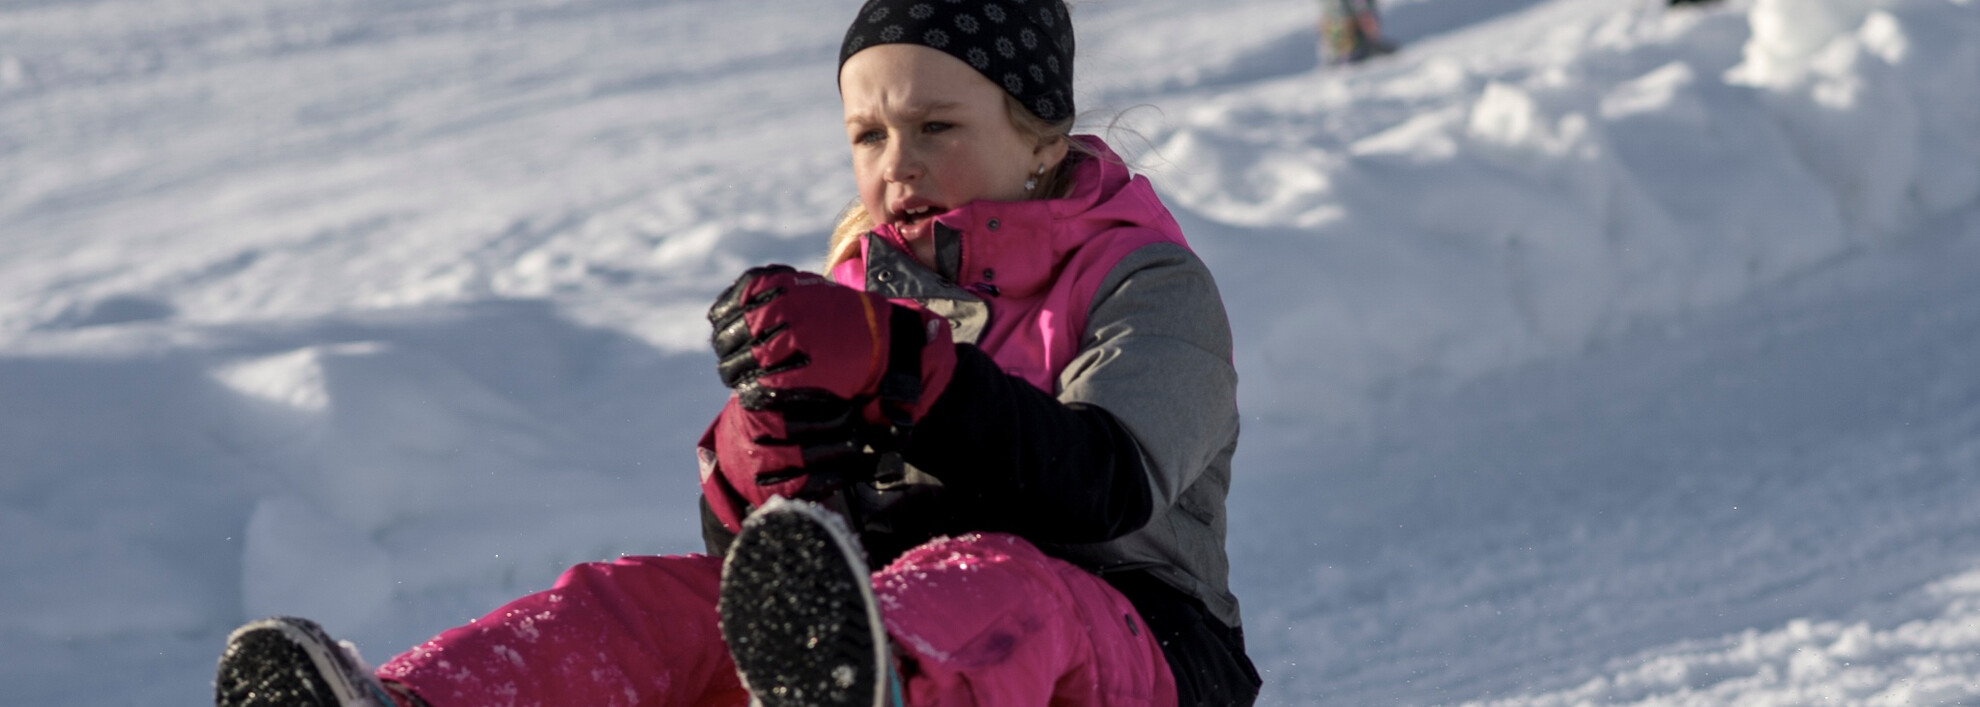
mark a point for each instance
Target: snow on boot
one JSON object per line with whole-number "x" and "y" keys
{"x": 290, "y": 662}
{"x": 798, "y": 612}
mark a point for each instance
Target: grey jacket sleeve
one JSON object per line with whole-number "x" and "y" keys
{"x": 1142, "y": 411}
{"x": 1157, "y": 355}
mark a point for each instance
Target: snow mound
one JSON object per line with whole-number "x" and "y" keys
{"x": 1469, "y": 210}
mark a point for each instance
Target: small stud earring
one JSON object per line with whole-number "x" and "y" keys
{"x": 1032, "y": 183}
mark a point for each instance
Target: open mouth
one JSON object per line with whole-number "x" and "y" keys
{"x": 913, "y": 222}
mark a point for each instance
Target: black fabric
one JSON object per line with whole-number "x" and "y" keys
{"x": 715, "y": 536}
{"x": 900, "y": 389}
{"x": 1030, "y": 465}
{"x": 1010, "y": 458}
{"x": 1207, "y": 658}
{"x": 1024, "y": 46}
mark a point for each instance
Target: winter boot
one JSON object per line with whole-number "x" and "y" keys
{"x": 798, "y": 612}
{"x": 291, "y": 662}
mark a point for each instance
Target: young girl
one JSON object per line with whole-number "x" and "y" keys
{"x": 1012, "y": 396}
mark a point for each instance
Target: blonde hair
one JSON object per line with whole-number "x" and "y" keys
{"x": 855, "y": 222}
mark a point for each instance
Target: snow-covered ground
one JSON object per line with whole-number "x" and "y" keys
{"x": 1592, "y": 352}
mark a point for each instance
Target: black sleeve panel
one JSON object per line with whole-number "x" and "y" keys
{"x": 1046, "y": 470}
{"x": 715, "y": 537}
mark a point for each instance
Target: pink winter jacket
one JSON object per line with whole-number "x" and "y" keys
{"x": 1044, "y": 260}
{"x": 1096, "y": 298}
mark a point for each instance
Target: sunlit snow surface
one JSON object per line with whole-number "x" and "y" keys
{"x": 1592, "y": 352}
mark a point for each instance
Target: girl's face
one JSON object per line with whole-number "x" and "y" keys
{"x": 928, "y": 135}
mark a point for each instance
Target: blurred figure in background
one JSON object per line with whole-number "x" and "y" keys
{"x": 1351, "y": 31}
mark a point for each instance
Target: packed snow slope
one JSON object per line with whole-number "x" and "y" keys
{"x": 1592, "y": 352}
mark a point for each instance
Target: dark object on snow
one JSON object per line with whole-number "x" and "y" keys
{"x": 1350, "y": 31}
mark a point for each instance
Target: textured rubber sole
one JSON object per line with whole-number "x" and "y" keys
{"x": 798, "y": 612}
{"x": 290, "y": 662}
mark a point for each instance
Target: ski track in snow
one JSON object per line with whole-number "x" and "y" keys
{"x": 1592, "y": 353}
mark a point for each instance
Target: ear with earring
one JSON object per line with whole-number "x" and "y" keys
{"x": 1032, "y": 183}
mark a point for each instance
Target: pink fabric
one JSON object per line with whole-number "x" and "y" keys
{"x": 727, "y": 503}
{"x": 637, "y": 631}
{"x": 981, "y": 619}
{"x": 988, "y": 619}
{"x": 1045, "y": 260}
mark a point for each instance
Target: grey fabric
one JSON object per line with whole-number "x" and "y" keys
{"x": 894, "y": 274}
{"x": 1157, "y": 354}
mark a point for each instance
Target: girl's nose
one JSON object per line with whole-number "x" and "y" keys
{"x": 901, "y": 164}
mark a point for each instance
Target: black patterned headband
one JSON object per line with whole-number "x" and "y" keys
{"x": 1025, "y": 46}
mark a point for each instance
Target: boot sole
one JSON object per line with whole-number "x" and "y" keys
{"x": 798, "y": 612}
{"x": 286, "y": 662}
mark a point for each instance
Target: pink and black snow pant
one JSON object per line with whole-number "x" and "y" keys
{"x": 979, "y": 619}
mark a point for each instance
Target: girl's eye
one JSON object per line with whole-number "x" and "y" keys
{"x": 869, "y": 137}
{"x": 935, "y": 127}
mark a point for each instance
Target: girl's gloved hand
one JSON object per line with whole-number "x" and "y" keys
{"x": 824, "y": 376}
{"x": 787, "y": 339}
{"x": 805, "y": 451}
